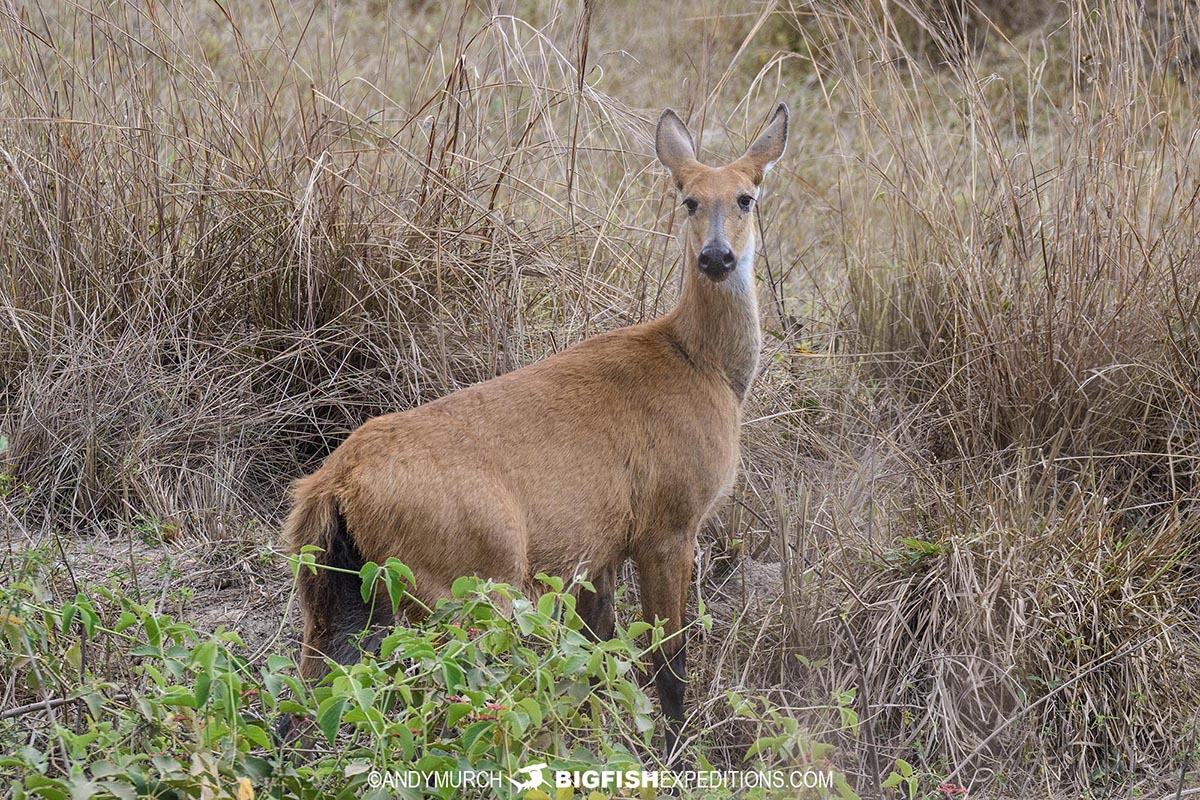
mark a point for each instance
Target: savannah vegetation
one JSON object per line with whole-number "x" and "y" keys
{"x": 961, "y": 552}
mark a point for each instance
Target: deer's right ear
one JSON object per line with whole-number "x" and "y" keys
{"x": 674, "y": 146}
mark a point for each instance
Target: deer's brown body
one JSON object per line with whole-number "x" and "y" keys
{"x": 616, "y": 448}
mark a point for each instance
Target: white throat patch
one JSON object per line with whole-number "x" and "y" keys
{"x": 741, "y": 279}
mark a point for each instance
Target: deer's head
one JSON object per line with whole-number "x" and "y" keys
{"x": 718, "y": 235}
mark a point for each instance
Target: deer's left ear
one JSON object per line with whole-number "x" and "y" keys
{"x": 768, "y": 147}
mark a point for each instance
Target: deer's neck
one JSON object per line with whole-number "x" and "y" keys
{"x": 716, "y": 324}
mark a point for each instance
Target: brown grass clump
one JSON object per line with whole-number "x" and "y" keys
{"x": 966, "y": 533}
{"x": 1001, "y": 553}
{"x": 223, "y": 252}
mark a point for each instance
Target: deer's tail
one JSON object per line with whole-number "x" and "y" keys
{"x": 331, "y": 596}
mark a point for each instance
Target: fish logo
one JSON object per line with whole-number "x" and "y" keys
{"x": 536, "y": 777}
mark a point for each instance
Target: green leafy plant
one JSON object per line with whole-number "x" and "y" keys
{"x": 903, "y": 779}
{"x": 492, "y": 682}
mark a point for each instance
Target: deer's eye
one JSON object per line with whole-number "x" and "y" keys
{"x": 745, "y": 201}
{"x": 691, "y": 205}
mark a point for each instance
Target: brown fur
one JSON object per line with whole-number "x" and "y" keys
{"x": 615, "y": 448}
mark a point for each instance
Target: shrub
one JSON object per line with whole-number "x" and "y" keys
{"x": 188, "y": 714}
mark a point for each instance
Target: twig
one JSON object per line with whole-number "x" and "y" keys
{"x": 1181, "y": 793}
{"x": 865, "y": 693}
{"x": 40, "y": 705}
{"x": 48, "y": 705}
{"x": 1186, "y": 763}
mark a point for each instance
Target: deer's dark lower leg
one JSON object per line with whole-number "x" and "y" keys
{"x": 596, "y": 608}
{"x": 670, "y": 678}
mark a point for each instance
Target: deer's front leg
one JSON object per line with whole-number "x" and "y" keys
{"x": 665, "y": 571}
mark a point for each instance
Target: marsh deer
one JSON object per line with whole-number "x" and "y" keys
{"x": 615, "y": 448}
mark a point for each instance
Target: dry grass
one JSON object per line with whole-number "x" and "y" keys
{"x": 229, "y": 234}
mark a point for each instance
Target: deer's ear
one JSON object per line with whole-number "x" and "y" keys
{"x": 768, "y": 147}
{"x": 674, "y": 146}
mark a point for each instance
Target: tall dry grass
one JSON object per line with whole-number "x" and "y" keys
{"x": 231, "y": 233}
{"x": 997, "y": 548}
{"x": 228, "y": 242}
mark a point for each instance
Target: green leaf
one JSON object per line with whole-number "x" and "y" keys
{"x": 364, "y": 696}
{"x": 456, "y": 713}
{"x": 292, "y": 707}
{"x": 277, "y": 663}
{"x": 203, "y": 683}
{"x": 638, "y": 628}
{"x": 169, "y": 767}
{"x": 329, "y": 715}
{"x": 46, "y": 787}
{"x": 178, "y": 697}
{"x": 844, "y": 792}
{"x": 398, "y": 568}
{"x": 68, "y": 616}
{"x": 153, "y": 634}
{"x": 463, "y": 586}
{"x": 763, "y": 744}
{"x": 272, "y": 683}
{"x": 257, "y": 736}
{"x": 473, "y": 732}
{"x": 533, "y": 709}
{"x": 87, "y": 615}
{"x": 390, "y": 643}
{"x": 545, "y": 605}
{"x": 553, "y": 581}
{"x": 453, "y": 675}
{"x": 368, "y": 573}
{"x": 74, "y": 657}
{"x": 405, "y": 737}
{"x": 849, "y": 719}
{"x": 118, "y": 789}
{"x": 95, "y": 703}
{"x": 517, "y": 722}
{"x": 204, "y": 657}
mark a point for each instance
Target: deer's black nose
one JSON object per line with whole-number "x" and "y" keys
{"x": 716, "y": 261}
